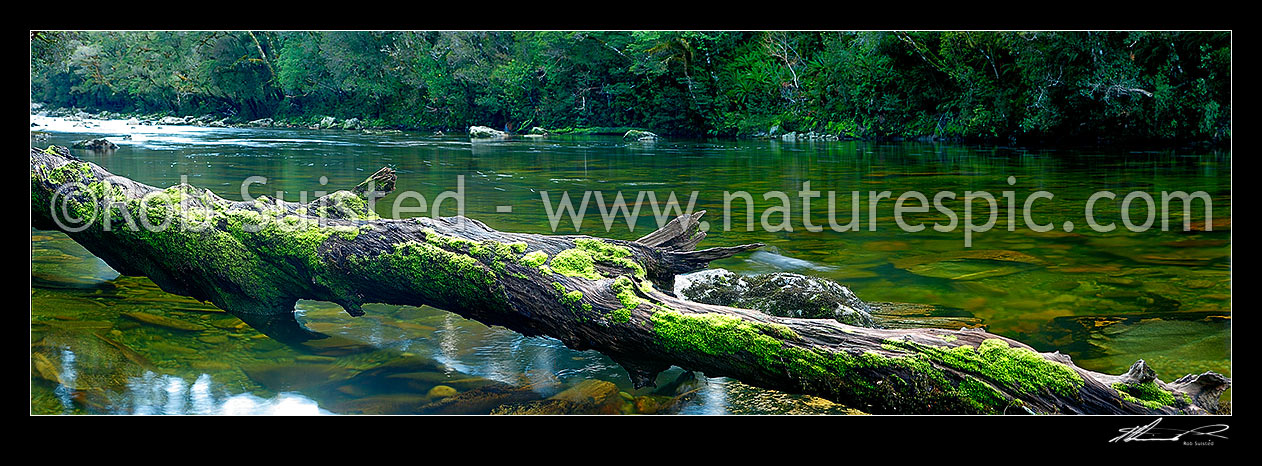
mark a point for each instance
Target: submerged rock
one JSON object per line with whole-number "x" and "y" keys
{"x": 543, "y": 408}
{"x": 384, "y": 404}
{"x": 167, "y": 322}
{"x": 485, "y": 132}
{"x": 482, "y": 400}
{"x": 587, "y": 397}
{"x": 589, "y": 391}
{"x": 92, "y": 369}
{"x": 780, "y": 294}
{"x": 970, "y": 264}
{"x": 95, "y": 145}
{"x": 285, "y": 376}
{"x": 910, "y": 315}
{"x": 441, "y": 391}
{"x": 1176, "y": 342}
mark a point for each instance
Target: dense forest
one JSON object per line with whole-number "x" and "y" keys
{"x": 1000, "y": 86}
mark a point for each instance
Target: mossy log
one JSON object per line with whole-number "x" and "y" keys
{"x": 256, "y": 259}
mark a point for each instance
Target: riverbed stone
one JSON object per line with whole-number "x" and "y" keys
{"x": 441, "y": 391}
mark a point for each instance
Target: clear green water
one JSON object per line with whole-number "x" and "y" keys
{"x": 1105, "y": 299}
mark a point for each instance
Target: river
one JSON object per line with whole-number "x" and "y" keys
{"x": 1104, "y": 298}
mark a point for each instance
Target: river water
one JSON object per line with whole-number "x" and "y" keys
{"x": 1104, "y": 298}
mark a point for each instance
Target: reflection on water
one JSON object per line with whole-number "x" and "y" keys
{"x": 165, "y": 394}
{"x": 100, "y": 344}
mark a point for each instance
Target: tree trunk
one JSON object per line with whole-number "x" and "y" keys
{"x": 256, "y": 259}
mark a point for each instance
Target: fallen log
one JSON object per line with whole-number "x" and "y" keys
{"x": 256, "y": 259}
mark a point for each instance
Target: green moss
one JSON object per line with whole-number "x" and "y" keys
{"x": 1147, "y": 394}
{"x": 518, "y": 247}
{"x": 1020, "y": 369}
{"x": 916, "y": 377}
{"x": 275, "y": 253}
{"x": 289, "y": 236}
{"x": 949, "y": 338}
{"x": 441, "y": 276}
{"x": 718, "y": 334}
{"x": 581, "y": 260}
{"x": 107, "y": 192}
{"x": 70, "y": 172}
{"x": 454, "y": 243}
{"x": 534, "y": 260}
{"x": 607, "y": 253}
{"x": 345, "y": 204}
{"x": 626, "y": 295}
{"x": 980, "y": 394}
{"x": 571, "y": 299}
{"x": 501, "y": 253}
{"x": 724, "y": 336}
{"x": 575, "y": 263}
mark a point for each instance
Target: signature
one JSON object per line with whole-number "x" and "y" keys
{"x": 1150, "y": 432}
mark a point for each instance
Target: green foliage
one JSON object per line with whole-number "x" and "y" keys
{"x": 969, "y": 84}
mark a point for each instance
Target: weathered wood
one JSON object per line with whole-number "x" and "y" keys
{"x": 256, "y": 259}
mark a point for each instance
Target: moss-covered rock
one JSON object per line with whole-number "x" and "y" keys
{"x": 779, "y": 294}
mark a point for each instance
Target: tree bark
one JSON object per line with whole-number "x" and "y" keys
{"x": 256, "y": 259}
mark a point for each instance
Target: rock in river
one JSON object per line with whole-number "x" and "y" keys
{"x": 637, "y": 135}
{"x": 95, "y": 145}
{"x": 780, "y": 294}
{"x": 484, "y": 132}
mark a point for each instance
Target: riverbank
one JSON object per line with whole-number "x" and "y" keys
{"x": 774, "y": 132}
